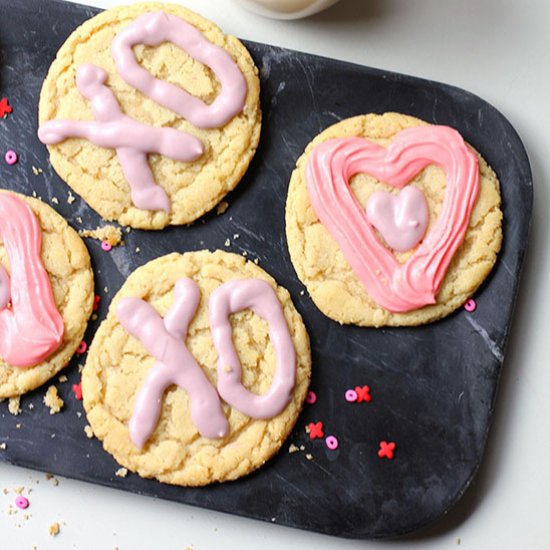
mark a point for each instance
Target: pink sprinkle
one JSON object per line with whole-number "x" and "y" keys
{"x": 331, "y": 442}
{"x": 311, "y": 398}
{"x": 82, "y": 347}
{"x": 470, "y": 305}
{"x": 351, "y": 396}
{"x": 106, "y": 246}
{"x": 11, "y": 157}
{"x": 22, "y": 502}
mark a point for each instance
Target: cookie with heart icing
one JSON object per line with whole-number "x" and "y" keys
{"x": 391, "y": 221}
{"x": 46, "y": 293}
{"x": 199, "y": 371}
{"x": 151, "y": 114}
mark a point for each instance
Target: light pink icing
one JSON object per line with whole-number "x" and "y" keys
{"x": 401, "y": 220}
{"x": 257, "y": 295}
{"x": 31, "y": 328}
{"x": 394, "y": 286}
{"x": 131, "y": 139}
{"x": 165, "y": 340}
{"x": 153, "y": 29}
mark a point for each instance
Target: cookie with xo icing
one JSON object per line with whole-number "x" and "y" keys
{"x": 391, "y": 221}
{"x": 46, "y": 293}
{"x": 199, "y": 371}
{"x": 151, "y": 114}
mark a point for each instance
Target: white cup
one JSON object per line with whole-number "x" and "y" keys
{"x": 286, "y": 9}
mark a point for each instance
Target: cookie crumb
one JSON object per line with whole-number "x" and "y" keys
{"x": 54, "y": 529}
{"x": 18, "y": 426}
{"x": 309, "y": 456}
{"x": 79, "y": 219}
{"x": 52, "y": 400}
{"x": 302, "y": 292}
{"x": 3, "y": 446}
{"x": 31, "y": 406}
{"x": 222, "y": 207}
{"x": 245, "y": 253}
{"x": 227, "y": 242}
{"x": 121, "y": 472}
{"x": 14, "y": 405}
{"x": 88, "y": 431}
{"x": 293, "y": 448}
{"x": 302, "y": 448}
{"x": 55, "y": 200}
{"x": 70, "y": 198}
{"x": 53, "y": 479}
{"x": 107, "y": 233}
{"x": 138, "y": 249}
{"x": 36, "y": 171}
{"x": 62, "y": 378}
{"x": 256, "y": 261}
{"x": 458, "y": 541}
{"x": 34, "y": 194}
{"x": 236, "y": 236}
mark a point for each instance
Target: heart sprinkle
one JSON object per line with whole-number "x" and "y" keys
{"x": 397, "y": 287}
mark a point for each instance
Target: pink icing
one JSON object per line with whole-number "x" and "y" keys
{"x": 402, "y": 220}
{"x": 153, "y": 29}
{"x": 31, "y": 328}
{"x": 394, "y": 286}
{"x": 165, "y": 340}
{"x": 131, "y": 139}
{"x": 257, "y": 295}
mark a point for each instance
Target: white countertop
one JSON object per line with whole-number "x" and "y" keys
{"x": 500, "y": 50}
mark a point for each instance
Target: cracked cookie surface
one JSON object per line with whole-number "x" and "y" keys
{"x": 67, "y": 263}
{"x": 117, "y": 363}
{"x": 327, "y": 275}
{"x": 193, "y": 188}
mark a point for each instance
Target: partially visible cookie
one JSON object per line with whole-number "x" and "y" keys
{"x": 117, "y": 378}
{"x": 319, "y": 260}
{"x": 35, "y": 324}
{"x": 197, "y": 128}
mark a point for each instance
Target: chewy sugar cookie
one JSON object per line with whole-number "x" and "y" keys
{"x": 199, "y": 371}
{"x": 151, "y": 114}
{"x": 46, "y": 293}
{"x": 391, "y": 221}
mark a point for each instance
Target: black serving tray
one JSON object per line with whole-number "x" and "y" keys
{"x": 433, "y": 387}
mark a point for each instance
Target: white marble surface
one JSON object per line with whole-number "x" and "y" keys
{"x": 499, "y": 49}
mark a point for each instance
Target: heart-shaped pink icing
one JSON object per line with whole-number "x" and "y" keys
{"x": 400, "y": 219}
{"x": 397, "y": 287}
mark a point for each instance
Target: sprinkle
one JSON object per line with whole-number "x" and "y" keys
{"x": 97, "y": 299}
{"x": 107, "y": 247}
{"x": 77, "y": 389}
{"x": 351, "y": 396}
{"x": 82, "y": 347}
{"x": 11, "y": 157}
{"x": 470, "y": 305}
{"x": 21, "y": 502}
{"x": 386, "y": 449}
{"x": 5, "y": 107}
{"x": 363, "y": 393}
{"x": 315, "y": 430}
{"x": 331, "y": 442}
{"x": 311, "y": 398}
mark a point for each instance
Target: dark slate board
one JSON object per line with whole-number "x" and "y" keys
{"x": 433, "y": 387}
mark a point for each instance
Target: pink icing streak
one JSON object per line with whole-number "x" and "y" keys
{"x": 131, "y": 139}
{"x": 402, "y": 220}
{"x": 165, "y": 340}
{"x": 394, "y": 286}
{"x": 257, "y": 295}
{"x": 153, "y": 29}
{"x": 31, "y": 328}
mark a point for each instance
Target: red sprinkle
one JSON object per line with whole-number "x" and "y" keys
{"x": 311, "y": 398}
{"x": 82, "y": 347}
{"x": 5, "y": 107}
{"x": 470, "y": 305}
{"x": 97, "y": 299}
{"x": 77, "y": 389}
{"x": 315, "y": 430}
{"x": 22, "y": 502}
{"x": 386, "y": 449}
{"x": 106, "y": 246}
{"x": 363, "y": 394}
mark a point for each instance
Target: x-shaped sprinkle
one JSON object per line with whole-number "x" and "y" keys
{"x": 363, "y": 394}
{"x": 5, "y": 107}
{"x": 386, "y": 449}
{"x": 315, "y": 430}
